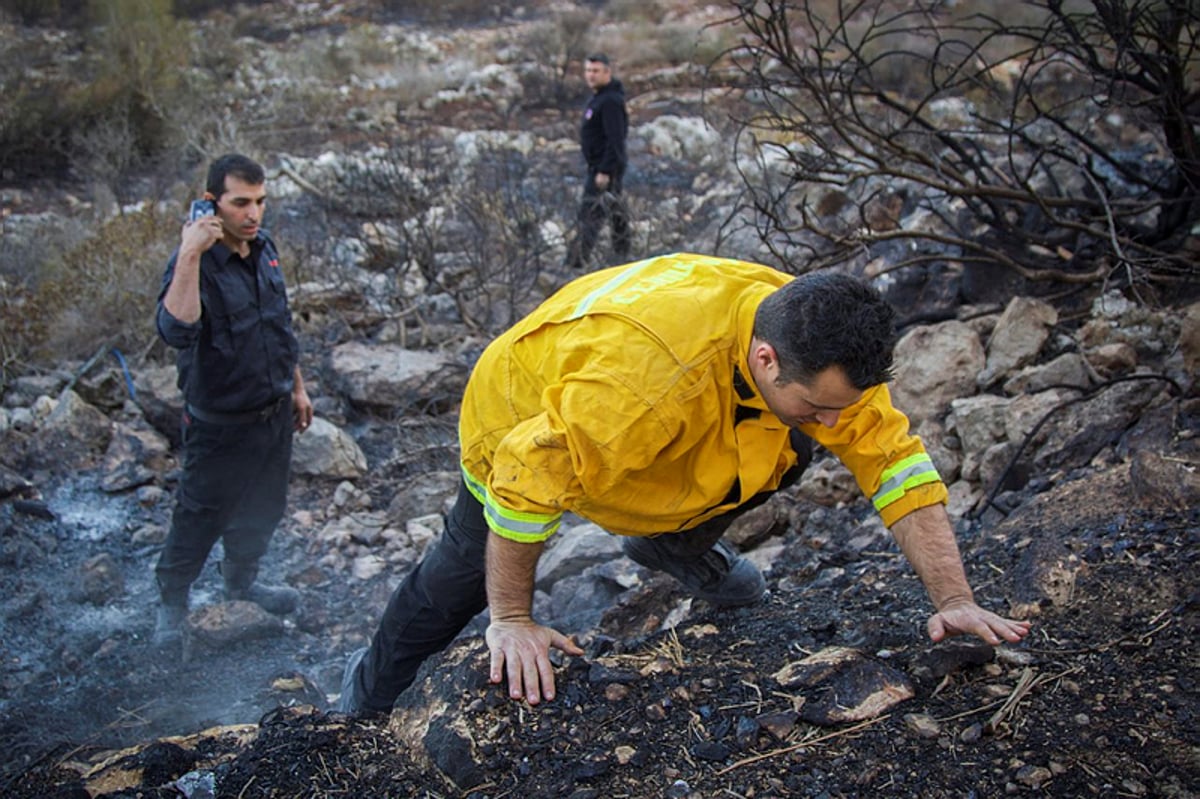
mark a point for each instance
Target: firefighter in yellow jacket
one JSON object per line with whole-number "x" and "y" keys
{"x": 660, "y": 399}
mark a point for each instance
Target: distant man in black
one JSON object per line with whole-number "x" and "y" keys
{"x": 223, "y": 306}
{"x": 602, "y": 139}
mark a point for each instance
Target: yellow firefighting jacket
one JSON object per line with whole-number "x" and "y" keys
{"x": 625, "y": 399}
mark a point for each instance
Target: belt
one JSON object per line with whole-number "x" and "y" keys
{"x": 243, "y": 417}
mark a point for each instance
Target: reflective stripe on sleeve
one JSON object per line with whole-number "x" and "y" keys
{"x": 522, "y": 527}
{"x": 477, "y": 489}
{"x": 909, "y": 473}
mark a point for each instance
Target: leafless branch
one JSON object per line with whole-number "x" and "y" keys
{"x": 1056, "y": 144}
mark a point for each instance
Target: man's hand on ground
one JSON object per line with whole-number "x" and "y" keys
{"x": 521, "y": 651}
{"x": 967, "y": 618}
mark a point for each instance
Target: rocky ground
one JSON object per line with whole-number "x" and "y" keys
{"x": 828, "y": 687}
{"x": 1101, "y": 700}
{"x": 1097, "y": 545}
{"x": 1095, "y": 538}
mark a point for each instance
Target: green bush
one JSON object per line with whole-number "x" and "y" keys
{"x": 37, "y": 114}
{"x": 646, "y": 12}
{"x": 558, "y": 46}
{"x": 117, "y": 93}
{"x": 142, "y": 53}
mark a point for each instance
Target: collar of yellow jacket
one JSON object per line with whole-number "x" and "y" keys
{"x": 745, "y": 333}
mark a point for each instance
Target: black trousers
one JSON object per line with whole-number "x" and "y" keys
{"x": 447, "y": 589}
{"x": 234, "y": 488}
{"x": 596, "y": 209}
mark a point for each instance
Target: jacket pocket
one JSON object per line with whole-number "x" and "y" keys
{"x": 229, "y": 325}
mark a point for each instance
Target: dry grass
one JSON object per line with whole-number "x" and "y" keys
{"x": 103, "y": 290}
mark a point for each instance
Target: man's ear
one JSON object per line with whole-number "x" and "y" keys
{"x": 763, "y": 354}
{"x": 762, "y": 358}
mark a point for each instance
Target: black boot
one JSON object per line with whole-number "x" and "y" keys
{"x": 720, "y": 575}
{"x": 240, "y": 584}
{"x": 168, "y": 624}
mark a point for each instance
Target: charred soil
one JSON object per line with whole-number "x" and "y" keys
{"x": 1101, "y": 700}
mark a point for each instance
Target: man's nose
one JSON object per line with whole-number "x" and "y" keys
{"x": 827, "y": 418}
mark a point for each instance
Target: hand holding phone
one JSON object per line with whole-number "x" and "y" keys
{"x": 198, "y": 238}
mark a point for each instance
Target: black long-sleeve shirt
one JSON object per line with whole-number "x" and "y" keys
{"x": 241, "y": 355}
{"x": 605, "y": 125}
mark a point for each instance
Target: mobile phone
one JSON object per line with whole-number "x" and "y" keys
{"x": 201, "y": 208}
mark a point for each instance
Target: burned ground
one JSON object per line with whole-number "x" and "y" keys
{"x": 1101, "y": 700}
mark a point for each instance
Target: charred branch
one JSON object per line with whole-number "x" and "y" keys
{"x": 1061, "y": 146}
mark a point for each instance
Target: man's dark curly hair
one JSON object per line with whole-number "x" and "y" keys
{"x": 240, "y": 166}
{"x": 825, "y": 319}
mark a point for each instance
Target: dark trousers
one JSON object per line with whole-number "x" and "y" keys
{"x": 429, "y": 608}
{"x": 596, "y": 209}
{"x": 447, "y": 589}
{"x": 234, "y": 487}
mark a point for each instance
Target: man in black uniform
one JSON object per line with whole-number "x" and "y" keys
{"x": 602, "y": 139}
{"x": 223, "y": 306}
